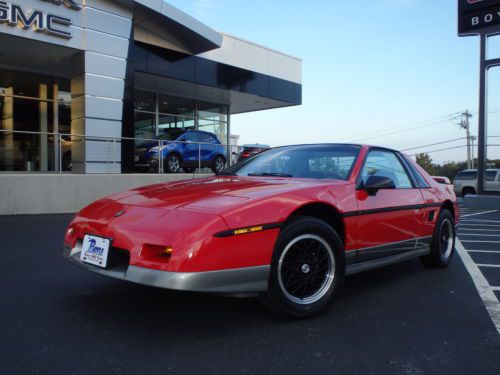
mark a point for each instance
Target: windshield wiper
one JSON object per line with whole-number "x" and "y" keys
{"x": 270, "y": 174}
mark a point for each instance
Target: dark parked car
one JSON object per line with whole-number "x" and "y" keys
{"x": 186, "y": 149}
{"x": 251, "y": 150}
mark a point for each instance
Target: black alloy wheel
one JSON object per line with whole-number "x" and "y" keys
{"x": 443, "y": 242}
{"x": 307, "y": 268}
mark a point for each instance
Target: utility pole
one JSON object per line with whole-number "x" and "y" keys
{"x": 464, "y": 124}
{"x": 472, "y": 139}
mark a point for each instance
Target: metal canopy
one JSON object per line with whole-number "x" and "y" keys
{"x": 159, "y": 19}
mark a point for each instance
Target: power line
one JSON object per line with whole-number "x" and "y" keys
{"x": 385, "y": 134}
{"x": 442, "y": 149}
{"x": 398, "y": 128}
{"x": 422, "y": 123}
{"x": 434, "y": 144}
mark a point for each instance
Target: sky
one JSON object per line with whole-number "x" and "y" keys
{"x": 383, "y": 72}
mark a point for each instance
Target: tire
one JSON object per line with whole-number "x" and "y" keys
{"x": 467, "y": 191}
{"x": 443, "y": 242}
{"x": 188, "y": 170}
{"x": 307, "y": 268}
{"x": 172, "y": 163}
{"x": 219, "y": 164}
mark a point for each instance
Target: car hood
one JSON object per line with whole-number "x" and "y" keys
{"x": 212, "y": 192}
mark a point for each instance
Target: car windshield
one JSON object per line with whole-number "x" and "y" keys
{"x": 315, "y": 161}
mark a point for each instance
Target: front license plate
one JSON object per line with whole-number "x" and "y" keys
{"x": 95, "y": 250}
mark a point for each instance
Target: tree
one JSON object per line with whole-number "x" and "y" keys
{"x": 425, "y": 161}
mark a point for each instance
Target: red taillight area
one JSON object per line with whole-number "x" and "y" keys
{"x": 70, "y": 237}
{"x": 245, "y": 154}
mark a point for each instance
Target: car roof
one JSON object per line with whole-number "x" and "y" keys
{"x": 256, "y": 145}
{"x": 342, "y": 144}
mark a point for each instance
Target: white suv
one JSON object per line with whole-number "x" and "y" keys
{"x": 466, "y": 181}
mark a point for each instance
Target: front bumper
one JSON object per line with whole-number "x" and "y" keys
{"x": 240, "y": 280}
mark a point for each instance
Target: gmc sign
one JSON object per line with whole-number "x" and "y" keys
{"x": 43, "y": 22}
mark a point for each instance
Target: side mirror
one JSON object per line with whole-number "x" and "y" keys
{"x": 375, "y": 183}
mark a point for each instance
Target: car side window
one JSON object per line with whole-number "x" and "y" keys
{"x": 466, "y": 175}
{"x": 189, "y": 137}
{"x": 387, "y": 164}
{"x": 417, "y": 177}
{"x": 205, "y": 138}
{"x": 491, "y": 175}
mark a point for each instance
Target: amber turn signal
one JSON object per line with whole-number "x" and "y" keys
{"x": 247, "y": 230}
{"x": 168, "y": 250}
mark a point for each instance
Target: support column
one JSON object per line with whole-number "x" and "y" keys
{"x": 43, "y": 128}
{"x": 8, "y": 124}
{"x": 55, "y": 125}
{"x": 97, "y": 88}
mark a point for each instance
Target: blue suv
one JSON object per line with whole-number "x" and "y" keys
{"x": 186, "y": 149}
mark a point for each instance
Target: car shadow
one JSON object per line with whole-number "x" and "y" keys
{"x": 152, "y": 312}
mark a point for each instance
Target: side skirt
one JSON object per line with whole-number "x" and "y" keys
{"x": 385, "y": 261}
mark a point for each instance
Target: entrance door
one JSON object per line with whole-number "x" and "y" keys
{"x": 391, "y": 220}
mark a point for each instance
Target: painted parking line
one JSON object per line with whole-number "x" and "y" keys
{"x": 479, "y": 213}
{"x": 483, "y": 251}
{"x": 477, "y": 221}
{"x": 476, "y": 224}
{"x": 495, "y": 288}
{"x": 486, "y": 292}
{"x": 476, "y": 241}
{"x": 478, "y": 229}
{"x": 481, "y": 234}
{"x": 489, "y": 265}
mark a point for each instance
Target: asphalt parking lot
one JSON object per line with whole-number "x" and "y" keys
{"x": 403, "y": 319}
{"x": 479, "y": 234}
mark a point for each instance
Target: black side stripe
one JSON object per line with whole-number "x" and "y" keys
{"x": 230, "y": 232}
{"x": 391, "y": 209}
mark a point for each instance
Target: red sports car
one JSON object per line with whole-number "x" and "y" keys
{"x": 288, "y": 224}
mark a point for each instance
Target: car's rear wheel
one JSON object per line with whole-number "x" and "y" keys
{"x": 443, "y": 242}
{"x": 468, "y": 191}
{"x": 219, "y": 164}
{"x": 307, "y": 268}
{"x": 188, "y": 170}
{"x": 172, "y": 163}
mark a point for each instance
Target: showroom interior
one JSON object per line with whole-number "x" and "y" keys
{"x": 84, "y": 84}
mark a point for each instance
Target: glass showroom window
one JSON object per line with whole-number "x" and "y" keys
{"x": 213, "y": 118}
{"x": 175, "y": 113}
{"x": 157, "y": 114}
{"x": 32, "y": 107}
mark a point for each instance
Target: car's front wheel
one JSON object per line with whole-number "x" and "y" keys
{"x": 307, "y": 268}
{"x": 443, "y": 242}
{"x": 172, "y": 163}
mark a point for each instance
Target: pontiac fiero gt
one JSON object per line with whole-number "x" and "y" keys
{"x": 289, "y": 224}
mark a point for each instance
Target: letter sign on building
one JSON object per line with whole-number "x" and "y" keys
{"x": 478, "y": 16}
{"x": 16, "y": 16}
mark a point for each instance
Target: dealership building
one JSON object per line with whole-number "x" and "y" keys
{"x": 95, "y": 77}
